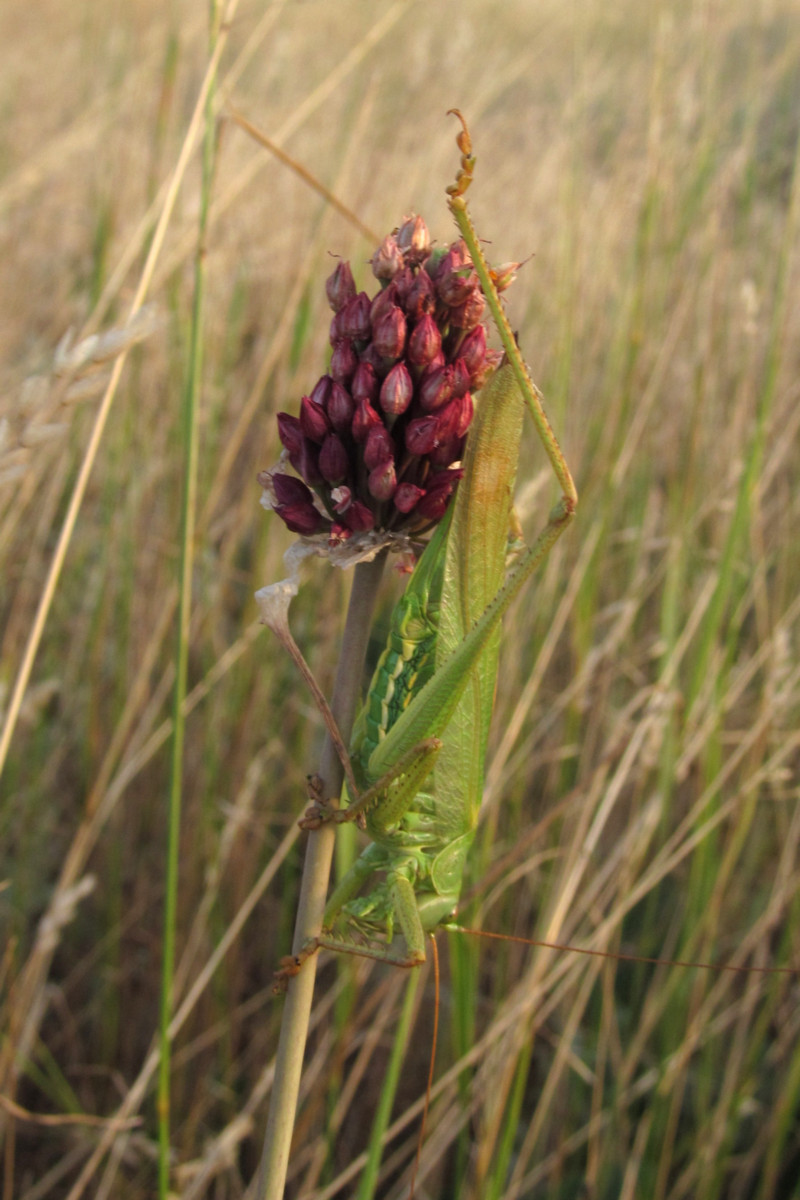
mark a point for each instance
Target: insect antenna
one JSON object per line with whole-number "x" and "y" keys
{"x": 620, "y": 957}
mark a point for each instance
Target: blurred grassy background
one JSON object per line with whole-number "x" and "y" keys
{"x": 642, "y": 790}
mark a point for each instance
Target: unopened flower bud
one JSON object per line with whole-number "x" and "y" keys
{"x": 382, "y": 482}
{"x": 343, "y": 362}
{"x": 460, "y": 377}
{"x": 454, "y": 287}
{"x": 387, "y": 259}
{"x": 340, "y": 408}
{"x": 425, "y": 341}
{"x": 370, "y": 356}
{"x": 413, "y": 236}
{"x": 407, "y": 497}
{"x": 389, "y": 334}
{"x": 340, "y": 286}
{"x": 435, "y": 387}
{"x": 354, "y": 318}
{"x": 291, "y": 432}
{"x": 378, "y": 447}
{"x": 301, "y": 518}
{"x": 421, "y": 435}
{"x": 447, "y": 452}
{"x": 421, "y": 296}
{"x": 467, "y": 315}
{"x": 397, "y": 390}
{"x": 315, "y": 424}
{"x": 289, "y": 490}
{"x": 333, "y": 461}
{"x": 466, "y": 411}
{"x": 440, "y": 488}
{"x": 448, "y": 420}
{"x": 358, "y": 518}
{"x": 402, "y": 284}
{"x": 473, "y": 350}
{"x": 365, "y": 382}
{"x": 364, "y": 418}
{"x": 306, "y": 463}
{"x": 336, "y": 329}
{"x": 321, "y": 392}
{"x": 384, "y": 302}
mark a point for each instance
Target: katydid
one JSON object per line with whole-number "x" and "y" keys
{"x": 417, "y": 752}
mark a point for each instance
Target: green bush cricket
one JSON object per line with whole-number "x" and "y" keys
{"x": 415, "y": 768}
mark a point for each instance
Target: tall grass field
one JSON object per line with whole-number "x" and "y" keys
{"x": 161, "y": 299}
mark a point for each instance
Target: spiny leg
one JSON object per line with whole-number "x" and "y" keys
{"x": 564, "y": 510}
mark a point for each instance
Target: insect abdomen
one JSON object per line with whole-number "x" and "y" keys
{"x": 404, "y": 667}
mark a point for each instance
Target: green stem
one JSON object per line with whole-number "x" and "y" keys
{"x": 190, "y": 441}
{"x": 369, "y": 1177}
{"x": 311, "y": 906}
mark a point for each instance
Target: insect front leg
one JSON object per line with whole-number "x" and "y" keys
{"x": 389, "y": 798}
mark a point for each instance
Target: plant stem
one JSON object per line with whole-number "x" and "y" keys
{"x": 190, "y": 442}
{"x": 313, "y": 892}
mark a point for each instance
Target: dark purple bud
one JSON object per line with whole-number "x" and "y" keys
{"x": 373, "y": 359}
{"x": 421, "y": 435}
{"x": 289, "y": 490}
{"x": 435, "y": 387}
{"x": 433, "y": 504}
{"x": 448, "y": 420}
{"x": 365, "y": 382}
{"x": 333, "y": 461}
{"x": 397, "y": 390}
{"x": 336, "y": 331}
{"x": 314, "y": 423}
{"x": 340, "y": 408}
{"x": 407, "y": 497}
{"x": 389, "y": 334}
{"x": 358, "y": 518}
{"x": 465, "y": 414}
{"x": 387, "y": 259}
{"x": 468, "y": 315}
{"x": 378, "y": 447}
{"x": 382, "y": 482}
{"x": 290, "y": 432}
{"x": 421, "y": 297}
{"x": 402, "y": 284}
{"x": 425, "y": 342}
{"x": 343, "y": 362}
{"x": 301, "y": 518}
{"x": 364, "y": 418}
{"x": 445, "y": 453}
{"x": 455, "y": 287}
{"x": 413, "y": 236}
{"x": 460, "y": 377}
{"x": 354, "y": 318}
{"x": 473, "y": 350}
{"x": 382, "y": 303}
{"x": 340, "y": 286}
{"x": 322, "y": 392}
{"x": 306, "y": 463}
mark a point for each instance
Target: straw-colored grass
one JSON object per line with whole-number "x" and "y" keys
{"x": 643, "y": 780}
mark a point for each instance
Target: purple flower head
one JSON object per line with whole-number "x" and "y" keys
{"x": 378, "y": 437}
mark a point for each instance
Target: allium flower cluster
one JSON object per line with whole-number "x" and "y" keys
{"x": 377, "y": 438}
